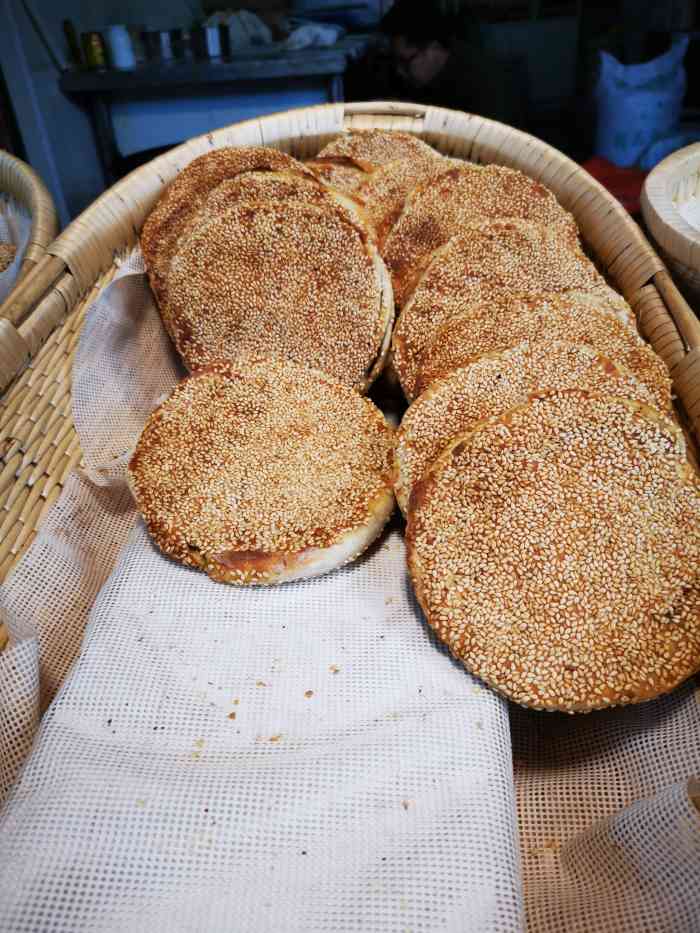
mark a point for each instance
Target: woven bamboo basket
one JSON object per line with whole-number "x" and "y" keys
{"x": 38, "y": 444}
{"x": 669, "y": 191}
{"x": 23, "y": 183}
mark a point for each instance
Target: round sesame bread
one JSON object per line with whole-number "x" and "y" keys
{"x": 296, "y": 280}
{"x": 186, "y": 194}
{"x": 341, "y": 174}
{"x": 521, "y": 257}
{"x": 384, "y": 191}
{"x": 495, "y": 261}
{"x": 263, "y": 472}
{"x": 368, "y": 149}
{"x": 574, "y": 317}
{"x": 440, "y": 208}
{"x": 288, "y": 186}
{"x": 283, "y": 186}
{"x": 492, "y": 385}
{"x": 556, "y": 551}
{"x": 422, "y": 319}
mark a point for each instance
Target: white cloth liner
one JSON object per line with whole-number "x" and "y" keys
{"x": 15, "y": 227}
{"x": 383, "y": 801}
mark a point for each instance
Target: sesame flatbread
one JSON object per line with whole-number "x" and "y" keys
{"x": 368, "y": 149}
{"x": 263, "y": 472}
{"x": 573, "y": 317}
{"x": 556, "y": 551}
{"x": 169, "y": 220}
{"x": 492, "y": 385}
{"x": 493, "y": 261}
{"x": 292, "y": 279}
{"x": 289, "y": 187}
{"x": 441, "y": 207}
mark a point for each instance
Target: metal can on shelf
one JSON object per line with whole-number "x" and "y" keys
{"x": 94, "y": 51}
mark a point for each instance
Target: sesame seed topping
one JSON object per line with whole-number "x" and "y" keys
{"x": 555, "y": 549}
{"x": 493, "y": 261}
{"x": 286, "y": 278}
{"x": 245, "y": 470}
{"x": 574, "y": 317}
{"x": 492, "y": 385}
{"x": 187, "y": 193}
{"x": 439, "y": 209}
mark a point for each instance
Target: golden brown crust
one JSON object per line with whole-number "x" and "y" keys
{"x": 556, "y": 550}
{"x": 492, "y": 385}
{"x": 492, "y": 261}
{"x": 263, "y": 472}
{"x": 289, "y": 278}
{"x": 186, "y": 194}
{"x": 369, "y": 149}
{"x": 342, "y": 174}
{"x": 573, "y": 317}
{"x": 385, "y": 190}
{"x": 290, "y": 188}
{"x": 439, "y": 209}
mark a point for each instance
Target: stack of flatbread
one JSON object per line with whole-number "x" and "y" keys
{"x": 248, "y": 252}
{"x": 552, "y": 533}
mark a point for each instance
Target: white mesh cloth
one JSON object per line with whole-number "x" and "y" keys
{"x": 15, "y": 228}
{"x": 297, "y": 758}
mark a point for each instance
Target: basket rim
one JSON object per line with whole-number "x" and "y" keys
{"x": 20, "y": 180}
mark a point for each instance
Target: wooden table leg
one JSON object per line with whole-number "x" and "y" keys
{"x": 104, "y": 136}
{"x": 336, "y": 89}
